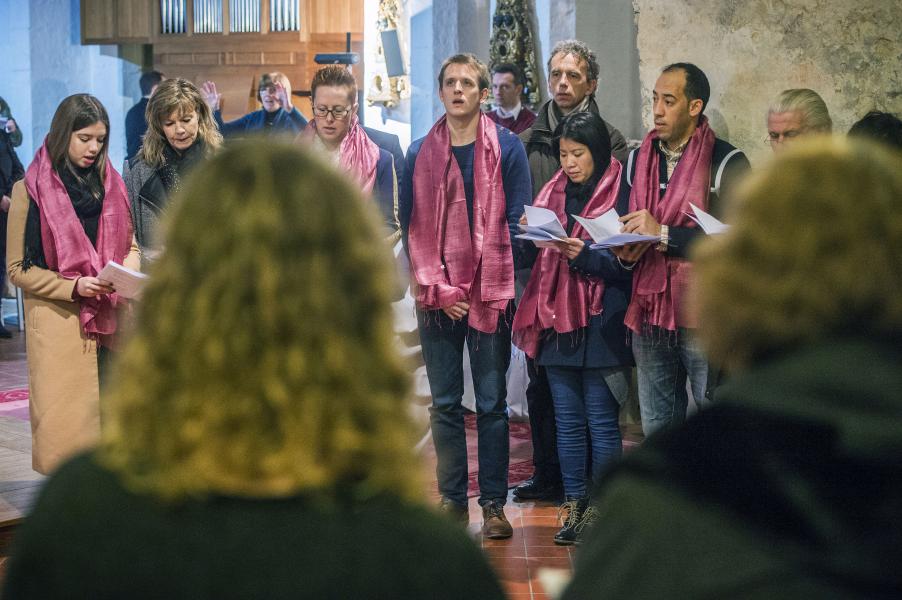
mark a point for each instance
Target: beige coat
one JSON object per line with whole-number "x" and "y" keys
{"x": 62, "y": 363}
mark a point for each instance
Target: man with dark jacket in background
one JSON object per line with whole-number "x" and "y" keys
{"x": 135, "y": 122}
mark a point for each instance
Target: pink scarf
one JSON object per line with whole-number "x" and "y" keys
{"x": 557, "y": 297}
{"x": 357, "y": 154}
{"x": 449, "y": 262}
{"x": 67, "y": 248}
{"x": 659, "y": 283}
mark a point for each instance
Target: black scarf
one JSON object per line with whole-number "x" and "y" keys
{"x": 86, "y": 192}
{"x": 176, "y": 164}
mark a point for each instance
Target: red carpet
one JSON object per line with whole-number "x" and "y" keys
{"x": 14, "y": 403}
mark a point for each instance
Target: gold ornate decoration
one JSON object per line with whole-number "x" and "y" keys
{"x": 512, "y": 42}
{"x": 385, "y": 90}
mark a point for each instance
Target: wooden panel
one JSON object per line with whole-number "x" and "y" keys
{"x": 135, "y": 20}
{"x": 244, "y": 57}
{"x": 278, "y": 58}
{"x": 98, "y": 21}
{"x": 333, "y": 16}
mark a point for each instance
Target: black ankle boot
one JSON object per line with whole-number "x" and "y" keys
{"x": 575, "y": 509}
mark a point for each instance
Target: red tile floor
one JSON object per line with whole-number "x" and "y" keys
{"x": 518, "y": 560}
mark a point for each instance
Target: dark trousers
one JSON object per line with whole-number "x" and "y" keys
{"x": 542, "y": 424}
{"x": 442, "y": 341}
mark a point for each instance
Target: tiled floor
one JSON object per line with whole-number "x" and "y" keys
{"x": 519, "y": 560}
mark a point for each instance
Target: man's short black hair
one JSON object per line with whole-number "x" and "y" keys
{"x": 510, "y": 68}
{"x": 697, "y": 86}
{"x": 880, "y": 126}
{"x": 149, "y": 80}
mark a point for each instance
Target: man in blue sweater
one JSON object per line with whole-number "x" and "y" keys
{"x": 463, "y": 192}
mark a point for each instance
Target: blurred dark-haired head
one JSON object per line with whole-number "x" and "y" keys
{"x": 882, "y": 127}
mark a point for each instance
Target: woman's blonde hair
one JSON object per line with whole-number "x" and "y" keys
{"x": 815, "y": 251}
{"x": 264, "y": 361}
{"x": 182, "y": 96}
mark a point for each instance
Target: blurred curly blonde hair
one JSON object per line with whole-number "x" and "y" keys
{"x": 815, "y": 251}
{"x": 263, "y": 363}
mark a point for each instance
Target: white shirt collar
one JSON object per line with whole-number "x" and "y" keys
{"x": 512, "y": 114}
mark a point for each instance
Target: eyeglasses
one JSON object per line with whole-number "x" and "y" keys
{"x": 786, "y": 136}
{"x": 337, "y": 112}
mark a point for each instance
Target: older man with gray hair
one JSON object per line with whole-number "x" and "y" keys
{"x": 796, "y": 113}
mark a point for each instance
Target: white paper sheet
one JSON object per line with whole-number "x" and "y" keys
{"x": 709, "y": 224}
{"x": 126, "y": 282}
{"x": 541, "y": 225}
{"x": 605, "y": 231}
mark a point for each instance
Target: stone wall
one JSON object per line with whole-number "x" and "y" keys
{"x": 849, "y": 52}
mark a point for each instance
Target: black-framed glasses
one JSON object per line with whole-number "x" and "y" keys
{"x": 338, "y": 112}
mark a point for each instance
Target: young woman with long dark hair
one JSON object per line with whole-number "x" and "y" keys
{"x": 68, "y": 218}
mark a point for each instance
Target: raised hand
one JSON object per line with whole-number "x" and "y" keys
{"x": 211, "y": 96}
{"x": 284, "y": 96}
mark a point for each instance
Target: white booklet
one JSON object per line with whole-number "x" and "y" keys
{"x": 709, "y": 224}
{"x": 605, "y": 231}
{"x": 542, "y": 225}
{"x": 126, "y": 282}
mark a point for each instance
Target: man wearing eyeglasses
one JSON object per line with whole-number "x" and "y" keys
{"x": 335, "y": 132}
{"x": 278, "y": 114}
{"x": 464, "y": 188}
{"x": 796, "y": 113}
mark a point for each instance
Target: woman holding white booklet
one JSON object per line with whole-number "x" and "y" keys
{"x": 69, "y": 217}
{"x": 571, "y": 316}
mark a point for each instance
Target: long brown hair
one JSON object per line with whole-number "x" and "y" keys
{"x": 183, "y": 96}
{"x": 77, "y": 112}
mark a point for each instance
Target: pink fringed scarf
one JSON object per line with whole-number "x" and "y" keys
{"x": 67, "y": 248}
{"x": 358, "y": 154}
{"x": 557, "y": 297}
{"x": 449, "y": 262}
{"x": 660, "y": 281}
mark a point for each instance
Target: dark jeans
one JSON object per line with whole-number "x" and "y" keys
{"x": 442, "y": 341}
{"x": 582, "y": 399}
{"x": 542, "y": 425}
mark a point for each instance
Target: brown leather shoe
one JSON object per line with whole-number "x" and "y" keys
{"x": 495, "y": 525}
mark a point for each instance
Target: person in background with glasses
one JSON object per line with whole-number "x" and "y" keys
{"x": 278, "y": 114}
{"x": 335, "y": 132}
{"x": 796, "y": 113}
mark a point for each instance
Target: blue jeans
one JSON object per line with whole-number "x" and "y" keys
{"x": 662, "y": 365}
{"x": 442, "y": 341}
{"x": 582, "y": 399}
